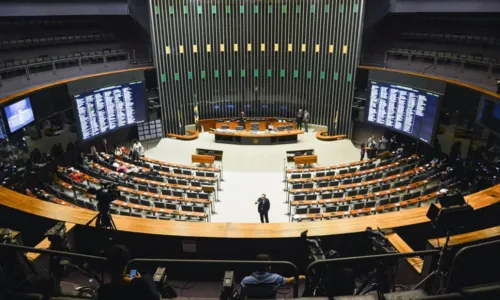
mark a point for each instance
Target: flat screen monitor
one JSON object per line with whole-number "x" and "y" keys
{"x": 404, "y": 109}
{"x": 109, "y": 108}
{"x": 19, "y": 114}
{"x": 489, "y": 114}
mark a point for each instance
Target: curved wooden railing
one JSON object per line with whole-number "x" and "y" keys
{"x": 323, "y": 135}
{"x": 401, "y": 218}
{"x": 191, "y": 135}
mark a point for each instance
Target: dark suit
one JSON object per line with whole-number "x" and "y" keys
{"x": 242, "y": 122}
{"x": 263, "y": 208}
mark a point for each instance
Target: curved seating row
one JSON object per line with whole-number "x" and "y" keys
{"x": 338, "y": 175}
{"x": 166, "y": 171}
{"x": 25, "y": 204}
{"x": 174, "y": 207}
{"x": 179, "y": 166}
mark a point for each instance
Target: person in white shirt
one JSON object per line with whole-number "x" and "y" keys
{"x": 137, "y": 146}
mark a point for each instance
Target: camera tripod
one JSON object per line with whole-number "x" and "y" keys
{"x": 438, "y": 273}
{"x": 103, "y": 220}
{"x": 379, "y": 281}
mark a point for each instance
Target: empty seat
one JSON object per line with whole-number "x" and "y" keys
{"x": 301, "y": 211}
{"x": 315, "y": 210}
{"x": 331, "y": 209}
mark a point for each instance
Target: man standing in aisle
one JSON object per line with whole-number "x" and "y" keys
{"x": 300, "y": 117}
{"x": 263, "y": 208}
{"x": 306, "y": 120}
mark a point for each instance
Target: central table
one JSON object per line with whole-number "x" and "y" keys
{"x": 261, "y": 138}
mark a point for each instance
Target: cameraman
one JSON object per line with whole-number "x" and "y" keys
{"x": 104, "y": 196}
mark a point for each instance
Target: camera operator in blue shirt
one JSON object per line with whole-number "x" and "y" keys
{"x": 263, "y": 284}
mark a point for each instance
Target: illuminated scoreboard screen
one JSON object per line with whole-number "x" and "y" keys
{"x": 109, "y": 108}
{"x": 404, "y": 109}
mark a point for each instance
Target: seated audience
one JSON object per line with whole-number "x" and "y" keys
{"x": 29, "y": 193}
{"x": 76, "y": 176}
{"x": 118, "y": 151}
{"x": 122, "y": 286}
{"x": 122, "y": 168}
{"x": 263, "y": 284}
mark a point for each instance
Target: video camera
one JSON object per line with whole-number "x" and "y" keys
{"x": 107, "y": 194}
{"x": 380, "y": 243}
{"x": 104, "y": 196}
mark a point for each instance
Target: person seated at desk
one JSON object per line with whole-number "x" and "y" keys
{"x": 76, "y": 176}
{"x": 29, "y": 193}
{"x": 263, "y": 284}
{"x": 122, "y": 168}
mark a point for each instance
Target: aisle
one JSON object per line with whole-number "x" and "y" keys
{"x": 252, "y": 170}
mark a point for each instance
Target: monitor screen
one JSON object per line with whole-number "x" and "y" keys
{"x": 19, "y": 114}
{"x": 489, "y": 114}
{"x": 109, "y": 108}
{"x": 404, "y": 109}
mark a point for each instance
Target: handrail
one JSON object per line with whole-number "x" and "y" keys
{"x": 315, "y": 264}
{"x": 458, "y": 255}
{"x": 237, "y": 262}
{"x": 52, "y": 252}
{"x": 436, "y": 58}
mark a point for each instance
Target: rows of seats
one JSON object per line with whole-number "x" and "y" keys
{"x": 491, "y": 41}
{"x": 364, "y": 173}
{"x": 398, "y": 176}
{"x": 444, "y": 56}
{"x": 351, "y": 192}
{"x": 368, "y": 205}
{"x": 171, "y": 173}
{"x": 365, "y": 206}
{"x": 149, "y": 162}
{"x": 55, "y": 40}
{"x": 136, "y": 205}
{"x": 12, "y": 68}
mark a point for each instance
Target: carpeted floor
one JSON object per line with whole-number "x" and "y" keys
{"x": 252, "y": 170}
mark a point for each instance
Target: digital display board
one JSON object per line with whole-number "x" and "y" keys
{"x": 404, "y": 109}
{"x": 489, "y": 114}
{"x": 110, "y": 108}
{"x": 19, "y": 114}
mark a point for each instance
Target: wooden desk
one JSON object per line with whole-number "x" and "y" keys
{"x": 294, "y": 153}
{"x": 23, "y": 203}
{"x": 467, "y": 238}
{"x": 203, "y": 159}
{"x": 415, "y": 262}
{"x": 305, "y": 159}
{"x": 263, "y": 123}
{"x": 323, "y": 135}
{"x": 250, "y": 138}
{"x": 217, "y": 153}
